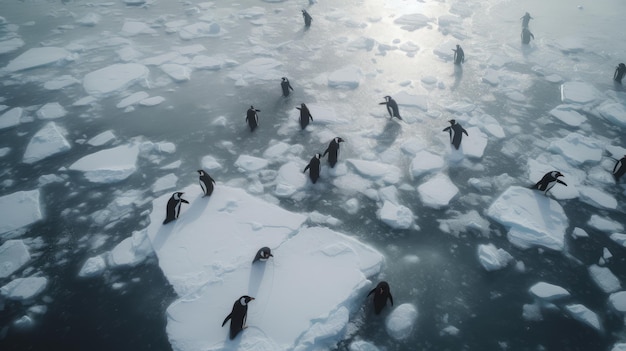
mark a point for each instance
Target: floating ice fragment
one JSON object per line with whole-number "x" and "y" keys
{"x": 114, "y": 78}
{"x": 605, "y": 224}
{"x": 568, "y": 115}
{"x": 597, "y": 198}
{"x": 13, "y": 255}
{"x": 51, "y": 110}
{"x": 22, "y": 289}
{"x": 178, "y": 73}
{"x": 108, "y": 166}
{"x": 46, "y": 142}
{"x": 102, "y": 138}
{"x": 290, "y": 180}
{"x": 37, "y": 57}
{"x": 132, "y": 99}
{"x": 11, "y": 118}
{"x": 412, "y": 21}
{"x": 132, "y": 250}
{"x": 425, "y": 162}
{"x": 583, "y": 314}
{"x": 578, "y": 149}
{"x": 250, "y": 163}
{"x": 346, "y": 77}
{"x": 152, "y": 101}
{"x": 131, "y": 28}
{"x": 374, "y": 170}
{"x": 492, "y": 258}
{"x": 200, "y": 30}
{"x": 579, "y": 93}
{"x": 10, "y": 45}
{"x": 437, "y": 191}
{"x": 89, "y": 20}
{"x": 614, "y": 113}
{"x": 209, "y": 163}
{"x": 166, "y": 182}
{"x": 396, "y": 216}
{"x": 604, "y": 278}
{"x": 548, "y": 292}
{"x": 19, "y": 209}
{"x": 401, "y": 320}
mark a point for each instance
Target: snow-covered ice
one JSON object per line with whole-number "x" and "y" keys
{"x": 20, "y": 209}
{"x": 37, "y": 57}
{"x": 437, "y": 191}
{"x": 346, "y": 77}
{"x": 102, "y": 138}
{"x": 401, "y": 321}
{"x": 532, "y": 218}
{"x": 548, "y": 292}
{"x": 583, "y": 314}
{"x": 11, "y": 117}
{"x": 369, "y": 169}
{"x": 166, "y": 182}
{"x": 618, "y": 301}
{"x": 51, "y": 110}
{"x": 48, "y": 141}
{"x": 24, "y": 288}
{"x": 249, "y": 163}
{"x": 578, "y": 149}
{"x": 568, "y": 115}
{"x": 132, "y": 99}
{"x": 13, "y": 256}
{"x": 110, "y": 165}
{"x": 493, "y": 258}
{"x": 396, "y": 216}
{"x": 424, "y": 162}
{"x": 604, "y": 278}
{"x": 579, "y": 93}
{"x": 114, "y": 78}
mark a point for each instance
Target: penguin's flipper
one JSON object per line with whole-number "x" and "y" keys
{"x": 227, "y": 318}
{"x": 307, "y": 167}
{"x": 371, "y": 292}
{"x": 391, "y": 299}
{"x": 184, "y": 201}
{"x": 561, "y": 182}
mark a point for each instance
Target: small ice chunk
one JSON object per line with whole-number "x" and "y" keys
{"x": 161, "y": 59}
{"x": 401, "y": 320}
{"x": 212, "y": 63}
{"x": 24, "y": 322}
{"x": 114, "y": 78}
{"x": 618, "y": 346}
{"x": 614, "y": 113}
{"x": 361, "y": 345}
{"x": 567, "y": 115}
{"x": 346, "y": 77}
{"x": 51, "y": 110}
{"x": 152, "y": 101}
{"x": 579, "y": 93}
{"x": 132, "y": 99}
{"x": 583, "y": 314}
{"x": 579, "y": 233}
{"x": 46, "y": 142}
{"x": 532, "y": 312}
{"x": 131, "y": 28}
{"x": 290, "y": 180}
{"x": 199, "y": 30}
{"x": 89, "y": 20}
{"x": 110, "y": 165}
{"x": 10, "y": 45}
{"x": 492, "y": 258}
{"x": 534, "y": 219}
{"x": 578, "y": 149}
{"x": 604, "y": 278}
{"x": 475, "y": 143}
{"x": 396, "y": 216}
{"x": 166, "y": 182}
{"x": 37, "y": 57}
{"x": 21, "y": 289}
{"x": 19, "y": 209}
{"x": 618, "y": 301}
{"x": 60, "y": 82}
{"x": 178, "y": 73}
{"x": 425, "y": 162}
{"x": 548, "y": 292}
{"x": 619, "y": 238}
{"x": 437, "y": 191}
{"x": 102, "y": 138}
{"x": 249, "y": 163}
{"x": 13, "y": 255}
{"x": 209, "y": 163}
{"x": 94, "y": 266}
{"x": 190, "y": 49}
{"x": 605, "y": 224}
{"x": 412, "y": 21}
{"x": 11, "y": 118}
{"x": 132, "y": 250}
{"x": 374, "y": 170}
{"x": 597, "y": 198}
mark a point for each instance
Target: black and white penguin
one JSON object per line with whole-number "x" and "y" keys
{"x": 392, "y": 107}
{"x": 525, "y": 20}
{"x": 619, "y": 169}
{"x": 307, "y": 18}
{"x": 206, "y": 183}
{"x": 173, "y": 207}
{"x": 285, "y": 85}
{"x": 314, "y": 168}
{"x": 263, "y": 254}
{"x": 381, "y": 294}
{"x": 252, "y": 118}
{"x": 459, "y": 55}
{"x": 548, "y": 181}
{"x": 620, "y": 71}
{"x": 456, "y": 133}
{"x": 305, "y": 115}
{"x": 238, "y": 315}
{"x": 333, "y": 150}
{"x": 526, "y": 36}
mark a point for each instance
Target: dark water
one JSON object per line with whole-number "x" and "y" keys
{"x": 125, "y": 308}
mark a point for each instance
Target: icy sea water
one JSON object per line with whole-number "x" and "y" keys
{"x": 436, "y": 271}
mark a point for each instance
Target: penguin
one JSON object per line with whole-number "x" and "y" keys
{"x": 548, "y": 181}
{"x": 314, "y": 168}
{"x": 252, "y": 118}
{"x": 619, "y": 169}
{"x": 392, "y": 107}
{"x": 285, "y": 85}
{"x": 332, "y": 151}
{"x": 620, "y": 71}
{"x": 459, "y": 55}
{"x": 526, "y": 36}
{"x": 456, "y": 133}
{"x": 307, "y": 18}
{"x": 206, "y": 182}
{"x": 173, "y": 207}
{"x": 305, "y": 115}
{"x": 238, "y": 315}
{"x": 525, "y": 20}
{"x": 381, "y": 294}
{"x": 263, "y": 254}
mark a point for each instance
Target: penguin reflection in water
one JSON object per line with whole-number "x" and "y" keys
{"x": 333, "y": 150}
{"x": 238, "y": 316}
{"x": 381, "y": 294}
{"x": 305, "y": 115}
{"x": 548, "y": 181}
{"x": 252, "y": 118}
{"x": 173, "y": 207}
{"x": 285, "y": 85}
{"x": 206, "y": 182}
{"x": 263, "y": 254}
{"x": 314, "y": 168}
{"x": 456, "y": 133}
{"x": 392, "y": 107}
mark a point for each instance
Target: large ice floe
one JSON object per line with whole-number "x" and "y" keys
{"x": 304, "y": 294}
{"x": 114, "y": 78}
{"x": 110, "y": 165}
{"x": 37, "y": 57}
{"x": 19, "y": 209}
{"x": 533, "y": 219}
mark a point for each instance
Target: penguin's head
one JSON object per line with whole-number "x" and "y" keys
{"x": 452, "y": 121}
{"x": 458, "y": 46}
{"x": 318, "y": 156}
{"x": 245, "y": 299}
{"x": 302, "y": 105}
{"x": 177, "y": 195}
{"x": 558, "y": 174}
{"x": 387, "y": 97}
{"x": 339, "y": 140}
{"x": 201, "y": 172}
{"x": 284, "y": 79}
{"x": 622, "y": 65}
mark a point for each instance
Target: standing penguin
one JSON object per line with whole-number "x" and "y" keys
{"x": 307, "y": 18}
{"x": 548, "y": 181}
{"x": 526, "y": 36}
{"x": 305, "y": 115}
{"x": 456, "y": 133}
{"x": 285, "y": 85}
{"x": 459, "y": 55}
{"x": 252, "y": 118}
{"x": 381, "y": 294}
{"x": 620, "y": 71}
{"x": 332, "y": 150}
{"x": 314, "y": 168}
{"x": 392, "y": 107}
{"x": 173, "y": 207}
{"x": 206, "y": 183}
{"x": 238, "y": 315}
{"x": 263, "y": 254}
{"x": 619, "y": 169}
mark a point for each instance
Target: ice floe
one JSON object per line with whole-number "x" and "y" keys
{"x": 114, "y": 78}
{"x": 200, "y": 30}
{"x": 13, "y": 256}
{"x": 425, "y": 162}
{"x": 605, "y": 224}
{"x": 132, "y": 99}
{"x": 579, "y": 93}
{"x": 11, "y": 118}
{"x": 437, "y": 191}
{"x": 604, "y": 278}
{"x": 108, "y": 166}
{"x": 395, "y": 216}
{"x": 597, "y": 198}
{"x": 493, "y": 258}
{"x": 37, "y": 57}
{"x": 548, "y": 292}
{"x": 578, "y": 149}
{"x": 249, "y": 163}
{"x": 412, "y": 21}
{"x": 618, "y": 301}
{"x": 567, "y": 115}
{"x": 10, "y": 45}
{"x": 21, "y": 289}
{"x": 614, "y": 113}
{"x": 51, "y": 110}
{"x": 346, "y": 77}
{"x": 19, "y": 209}
{"x": 532, "y": 218}
{"x": 583, "y": 314}
{"x": 374, "y": 170}
{"x": 102, "y": 138}
{"x": 401, "y": 321}
{"x": 48, "y": 141}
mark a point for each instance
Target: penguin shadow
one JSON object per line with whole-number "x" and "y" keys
{"x": 256, "y": 277}
{"x": 195, "y": 210}
{"x": 458, "y": 76}
{"x": 389, "y": 135}
{"x": 162, "y": 235}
